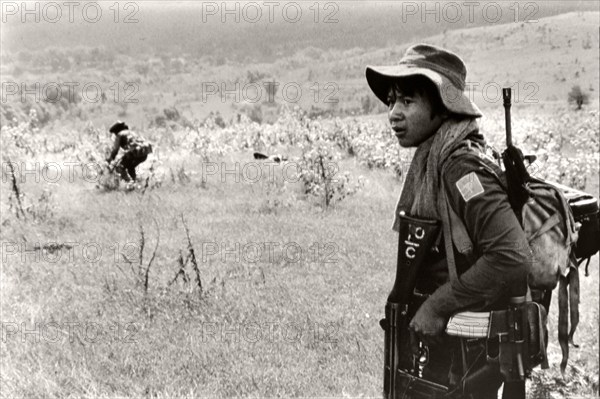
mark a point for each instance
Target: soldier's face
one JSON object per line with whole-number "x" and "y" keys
{"x": 411, "y": 117}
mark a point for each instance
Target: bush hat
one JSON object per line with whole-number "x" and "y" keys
{"x": 117, "y": 127}
{"x": 444, "y": 68}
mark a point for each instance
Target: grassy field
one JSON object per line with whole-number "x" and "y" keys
{"x": 206, "y": 282}
{"x": 281, "y": 298}
{"x": 276, "y": 327}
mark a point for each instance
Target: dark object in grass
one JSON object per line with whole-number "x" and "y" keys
{"x": 273, "y": 158}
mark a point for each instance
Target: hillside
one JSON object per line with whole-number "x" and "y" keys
{"x": 219, "y": 275}
{"x": 541, "y": 61}
{"x": 197, "y": 29}
{"x": 544, "y": 60}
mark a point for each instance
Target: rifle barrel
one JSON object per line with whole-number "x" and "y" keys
{"x": 506, "y": 95}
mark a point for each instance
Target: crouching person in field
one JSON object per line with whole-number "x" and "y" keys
{"x": 136, "y": 150}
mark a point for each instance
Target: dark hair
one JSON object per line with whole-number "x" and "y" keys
{"x": 423, "y": 86}
{"x": 118, "y": 127}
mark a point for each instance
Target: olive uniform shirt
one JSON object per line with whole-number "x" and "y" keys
{"x": 496, "y": 270}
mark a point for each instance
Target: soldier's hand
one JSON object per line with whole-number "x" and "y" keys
{"x": 428, "y": 325}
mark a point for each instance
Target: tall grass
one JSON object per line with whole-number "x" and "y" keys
{"x": 230, "y": 323}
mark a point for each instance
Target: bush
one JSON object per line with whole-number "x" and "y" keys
{"x": 566, "y": 148}
{"x": 319, "y": 173}
{"x": 578, "y": 97}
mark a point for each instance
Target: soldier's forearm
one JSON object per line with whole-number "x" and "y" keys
{"x": 497, "y": 273}
{"x": 477, "y": 288}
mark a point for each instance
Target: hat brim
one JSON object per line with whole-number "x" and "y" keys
{"x": 381, "y": 78}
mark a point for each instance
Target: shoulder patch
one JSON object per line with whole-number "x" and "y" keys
{"x": 469, "y": 186}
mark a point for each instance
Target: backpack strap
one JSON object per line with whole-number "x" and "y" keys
{"x": 448, "y": 236}
{"x": 547, "y": 226}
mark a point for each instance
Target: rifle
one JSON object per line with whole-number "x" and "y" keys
{"x": 577, "y": 207}
{"x": 403, "y": 369}
{"x": 513, "y": 354}
{"x": 507, "y": 332}
{"x": 512, "y": 157}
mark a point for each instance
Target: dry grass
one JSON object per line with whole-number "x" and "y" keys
{"x": 264, "y": 328}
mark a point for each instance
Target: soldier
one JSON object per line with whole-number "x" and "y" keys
{"x": 136, "y": 150}
{"x": 451, "y": 176}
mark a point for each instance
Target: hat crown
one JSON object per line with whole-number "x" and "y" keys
{"x": 444, "y": 68}
{"x": 439, "y": 60}
{"x": 118, "y": 126}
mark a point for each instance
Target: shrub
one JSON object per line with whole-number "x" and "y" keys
{"x": 578, "y": 97}
{"x": 319, "y": 173}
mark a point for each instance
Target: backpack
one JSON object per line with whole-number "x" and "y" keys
{"x": 544, "y": 215}
{"x": 548, "y": 220}
{"x": 585, "y": 209}
{"x": 136, "y": 144}
{"x": 572, "y": 238}
{"x": 550, "y": 229}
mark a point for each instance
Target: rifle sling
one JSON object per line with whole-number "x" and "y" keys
{"x": 455, "y": 234}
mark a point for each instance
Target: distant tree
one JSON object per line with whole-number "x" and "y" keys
{"x": 254, "y": 76}
{"x": 172, "y": 114}
{"x": 587, "y": 43}
{"x": 271, "y": 88}
{"x": 366, "y": 104}
{"x": 254, "y": 112}
{"x": 219, "y": 120}
{"x": 578, "y": 97}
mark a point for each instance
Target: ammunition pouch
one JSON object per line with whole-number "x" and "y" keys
{"x": 515, "y": 352}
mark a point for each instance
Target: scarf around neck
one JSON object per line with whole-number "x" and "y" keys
{"x": 419, "y": 195}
